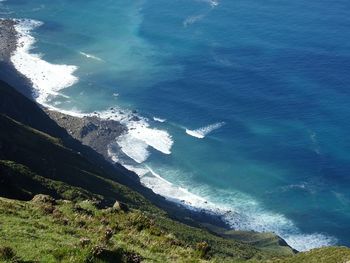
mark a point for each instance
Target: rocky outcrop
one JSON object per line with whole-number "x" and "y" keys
{"x": 91, "y": 131}
{"x": 8, "y": 33}
{"x": 119, "y": 206}
{"x": 43, "y": 199}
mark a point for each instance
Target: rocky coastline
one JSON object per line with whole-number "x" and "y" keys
{"x": 8, "y": 45}
{"x": 8, "y": 39}
{"x": 91, "y": 131}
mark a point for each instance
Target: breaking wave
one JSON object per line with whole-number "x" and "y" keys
{"x": 204, "y": 131}
{"x": 47, "y": 79}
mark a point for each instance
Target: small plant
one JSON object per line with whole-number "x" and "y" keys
{"x": 57, "y": 214}
{"x": 133, "y": 258}
{"x": 6, "y": 253}
{"x": 104, "y": 221}
{"x": 203, "y": 248}
{"x": 97, "y": 251}
{"x": 80, "y": 210}
{"x": 108, "y": 234}
{"x": 81, "y": 223}
{"x": 155, "y": 231}
{"x": 140, "y": 221}
{"x": 47, "y": 209}
{"x": 84, "y": 242}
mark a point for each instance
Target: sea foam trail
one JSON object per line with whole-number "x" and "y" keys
{"x": 212, "y": 3}
{"x": 193, "y": 19}
{"x": 159, "y": 119}
{"x": 204, "y": 131}
{"x": 196, "y": 18}
{"x": 90, "y": 56}
{"x": 47, "y": 79}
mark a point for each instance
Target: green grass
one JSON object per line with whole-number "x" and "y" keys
{"x": 64, "y": 174}
{"x": 73, "y": 230}
{"x": 70, "y": 232}
{"x": 320, "y": 255}
{"x": 49, "y": 159}
{"x": 66, "y": 231}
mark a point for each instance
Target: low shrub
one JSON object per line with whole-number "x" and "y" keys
{"x": 203, "y": 248}
{"x": 7, "y": 253}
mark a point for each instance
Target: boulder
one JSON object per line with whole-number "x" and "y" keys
{"x": 120, "y": 206}
{"x": 43, "y": 199}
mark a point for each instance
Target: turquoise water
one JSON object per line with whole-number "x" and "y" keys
{"x": 264, "y": 83}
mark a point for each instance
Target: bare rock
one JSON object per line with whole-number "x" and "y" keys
{"x": 43, "y": 199}
{"x": 119, "y": 206}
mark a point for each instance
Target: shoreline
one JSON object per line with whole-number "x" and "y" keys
{"x": 97, "y": 132}
{"x": 92, "y": 131}
{"x": 8, "y": 45}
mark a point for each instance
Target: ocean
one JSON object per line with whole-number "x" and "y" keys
{"x": 243, "y": 106}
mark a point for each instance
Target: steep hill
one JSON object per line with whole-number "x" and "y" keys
{"x": 78, "y": 223}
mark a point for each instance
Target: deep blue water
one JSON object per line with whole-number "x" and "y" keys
{"x": 275, "y": 72}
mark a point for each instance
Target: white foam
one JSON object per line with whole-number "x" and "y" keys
{"x": 159, "y": 119}
{"x": 140, "y": 136}
{"x": 133, "y": 147}
{"x": 90, "y": 56}
{"x": 193, "y": 19}
{"x": 135, "y": 142}
{"x": 212, "y": 3}
{"x": 198, "y": 17}
{"x": 239, "y": 210}
{"x": 204, "y": 131}
{"x": 172, "y": 192}
{"x": 48, "y": 79}
{"x": 249, "y": 215}
{"x": 158, "y": 139}
{"x": 305, "y": 242}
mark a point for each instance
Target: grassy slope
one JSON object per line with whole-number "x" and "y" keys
{"x": 48, "y": 158}
{"x": 27, "y": 112}
{"x": 37, "y": 234}
{"x": 80, "y": 232}
{"x": 44, "y": 232}
{"x": 63, "y": 173}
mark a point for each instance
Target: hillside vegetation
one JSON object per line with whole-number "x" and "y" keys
{"x": 62, "y": 202}
{"x": 49, "y": 230}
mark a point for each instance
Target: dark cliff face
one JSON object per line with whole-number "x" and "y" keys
{"x": 38, "y": 156}
{"x": 8, "y": 45}
{"x": 27, "y": 112}
{"x": 23, "y": 110}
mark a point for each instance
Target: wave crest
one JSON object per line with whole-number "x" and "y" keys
{"x": 204, "y": 131}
